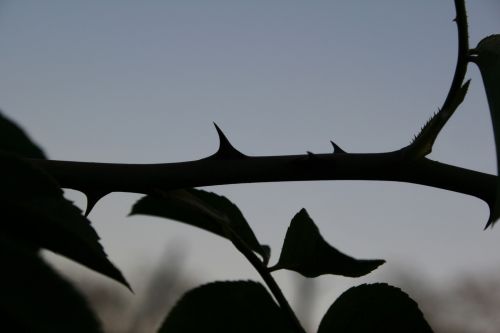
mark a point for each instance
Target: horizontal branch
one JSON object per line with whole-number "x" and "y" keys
{"x": 229, "y": 166}
{"x": 103, "y": 178}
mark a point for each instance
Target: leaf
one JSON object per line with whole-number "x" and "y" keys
{"x": 35, "y": 213}
{"x": 36, "y": 299}
{"x": 487, "y": 56}
{"x": 14, "y": 140}
{"x": 202, "y": 209}
{"x": 375, "y": 307}
{"x": 226, "y": 307}
{"x": 306, "y": 252}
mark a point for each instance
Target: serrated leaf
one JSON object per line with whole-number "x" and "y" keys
{"x": 487, "y": 57}
{"x": 226, "y": 307}
{"x": 306, "y": 252}
{"x": 375, "y": 307}
{"x": 36, "y": 299}
{"x": 36, "y": 214}
{"x": 34, "y": 211}
{"x": 14, "y": 140}
{"x": 202, "y": 209}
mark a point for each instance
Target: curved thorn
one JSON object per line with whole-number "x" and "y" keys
{"x": 337, "y": 149}
{"x": 313, "y": 157}
{"x": 92, "y": 199}
{"x": 491, "y": 218}
{"x": 226, "y": 149}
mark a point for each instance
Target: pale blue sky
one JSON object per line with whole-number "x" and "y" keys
{"x": 142, "y": 82}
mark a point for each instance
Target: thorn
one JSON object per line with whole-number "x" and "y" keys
{"x": 226, "y": 149}
{"x": 492, "y": 217}
{"x": 92, "y": 199}
{"x": 488, "y": 224}
{"x": 337, "y": 149}
{"x": 313, "y": 157}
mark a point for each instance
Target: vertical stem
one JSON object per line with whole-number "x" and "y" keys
{"x": 268, "y": 279}
{"x": 463, "y": 52}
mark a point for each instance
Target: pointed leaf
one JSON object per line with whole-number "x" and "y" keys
{"x": 14, "y": 140}
{"x": 202, "y": 209}
{"x": 306, "y": 252}
{"x": 34, "y": 210}
{"x": 487, "y": 57}
{"x": 226, "y": 307}
{"x": 374, "y": 308}
{"x": 35, "y": 213}
{"x": 36, "y": 299}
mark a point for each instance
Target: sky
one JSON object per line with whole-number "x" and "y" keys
{"x": 143, "y": 81}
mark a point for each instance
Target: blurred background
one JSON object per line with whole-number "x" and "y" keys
{"x": 142, "y": 82}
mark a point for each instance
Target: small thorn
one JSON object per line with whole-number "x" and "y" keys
{"x": 226, "y": 149}
{"x": 312, "y": 156}
{"x": 337, "y": 149}
{"x": 489, "y": 224}
{"x": 491, "y": 217}
{"x": 92, "y": 199}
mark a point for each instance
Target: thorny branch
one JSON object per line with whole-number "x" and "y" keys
{"x": 229, "y": 166}
{"x": 100, "y": 179}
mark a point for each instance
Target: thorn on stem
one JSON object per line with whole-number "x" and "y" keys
{"x": 493, "y": 216}
{"x": 226, "y": 149}
{"x": 92, "y": 199}
{"x": 313, "y": 157}
{"x": 489, "y": 224}
{"x": 337, "y": 149}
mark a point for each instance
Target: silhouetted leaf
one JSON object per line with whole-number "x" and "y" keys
{"x": 306, "y": 252}
{"x": 35, "y": 213}
{"x": 36, "y": 299}
{"x": 487, "y": 57}
{"x": 226, "y": 307}
{"x": 14, "y": 140}
{"x": 374, "y": 308}
{"x": 202, "y": 209}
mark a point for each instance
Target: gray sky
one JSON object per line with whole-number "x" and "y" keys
{"x": 142, "y": 82}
